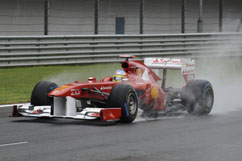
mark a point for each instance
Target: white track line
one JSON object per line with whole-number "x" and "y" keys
{"x": 10, "y": 144}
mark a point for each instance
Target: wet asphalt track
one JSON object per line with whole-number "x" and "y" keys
{"x": 216, "y": 137}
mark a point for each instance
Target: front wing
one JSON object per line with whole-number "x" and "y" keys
{"x": 104, "y": 114}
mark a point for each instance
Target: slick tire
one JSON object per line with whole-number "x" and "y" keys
{"x": 198, "y": 97}
{"x": 40, "y": 93}
{"x": 124, "y": 96}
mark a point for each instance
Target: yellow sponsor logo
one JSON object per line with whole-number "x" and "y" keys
{"x": 62, "y": 88}
{"x": 154, "y": 92}
{"x": 59, "y": 89}
{"x": 65, "y": 86}
{"x": 139, "y": 72}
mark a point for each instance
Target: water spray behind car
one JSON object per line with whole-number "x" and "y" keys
{"x": 223, "y": 67}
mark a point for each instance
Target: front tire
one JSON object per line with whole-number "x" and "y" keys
{"x": 198, "y": 97}
{"x": 40, "y": 92}
{"x": 124, "y": 96}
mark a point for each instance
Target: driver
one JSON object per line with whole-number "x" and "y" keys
{"x": 119, "y": 75}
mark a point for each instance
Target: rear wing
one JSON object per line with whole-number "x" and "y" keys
{"x": 187, "y": 66}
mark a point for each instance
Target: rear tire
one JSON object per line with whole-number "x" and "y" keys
{"x": 198, "y": 97}
{"x": 40, "y": 92}
{"x": 124, "y": 96}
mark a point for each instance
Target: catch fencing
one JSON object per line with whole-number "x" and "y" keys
{"x": 58, "y": 50}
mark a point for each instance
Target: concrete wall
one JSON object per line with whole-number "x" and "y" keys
{"x": 74, "y": 17}
{"x": 110, "y": 9}
{"x": 162, "y": 16}
{"x": 21, "y": 17}
{"x": 71, "y": 17}
{"x": 210, "y": 15}
{"x": 232, "y": 15}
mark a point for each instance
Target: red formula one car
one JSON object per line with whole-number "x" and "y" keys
{"x": 119, "y": 97}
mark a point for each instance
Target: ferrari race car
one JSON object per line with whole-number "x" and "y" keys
{"x": 118, "y": 97}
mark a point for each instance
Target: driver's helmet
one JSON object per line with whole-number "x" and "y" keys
{"x": 119, "y": 75}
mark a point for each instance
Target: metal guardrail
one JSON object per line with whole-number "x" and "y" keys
{"x": 57, "y": 50}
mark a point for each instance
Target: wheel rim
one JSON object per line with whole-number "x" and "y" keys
{"x": 131, "y": 102}
{"x": 208, "y": 99}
